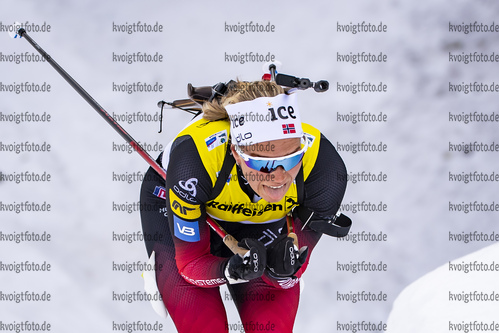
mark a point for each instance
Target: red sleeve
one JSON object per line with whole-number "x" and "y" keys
{"x": 188, "y": 187}
{"x": 195, "y": 262}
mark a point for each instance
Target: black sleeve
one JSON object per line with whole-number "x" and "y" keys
{"x": 326, "y": 183}
{"x": 186, "y": 172}
{"x": 188, "y": 188}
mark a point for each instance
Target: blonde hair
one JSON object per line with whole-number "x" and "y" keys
{"x": 240, "y": 91}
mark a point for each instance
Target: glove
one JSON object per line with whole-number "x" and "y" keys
{"x": 283, "y": 257}
{"x": 250, "y": 266}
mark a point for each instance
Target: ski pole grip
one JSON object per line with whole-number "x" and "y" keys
{"x": 295, "y": 239}
{"x": 231, "y": 243}
{"x": 228, "y": 239}
{"x": 289, "y": 223}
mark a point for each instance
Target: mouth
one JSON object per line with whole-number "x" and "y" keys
{"x": 275, "y": 193}
{"x": 276, "y": 187}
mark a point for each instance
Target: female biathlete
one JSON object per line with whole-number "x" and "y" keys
{"x": 246, "y": 163}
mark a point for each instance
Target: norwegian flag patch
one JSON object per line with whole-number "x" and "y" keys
{"x": 288, "y": 128}
{"x": 160, "y": 192}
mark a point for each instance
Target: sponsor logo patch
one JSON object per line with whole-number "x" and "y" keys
{"x": 189, "y": 185}
{"x": 186, "y": 231}
{"x": 216, "y": 140}
{"x": 183, "y": 209}
{"x": 160, "y": 192}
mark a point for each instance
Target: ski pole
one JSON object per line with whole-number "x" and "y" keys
{"x": 230, "y": 241}
{"x": 100, "y": 110}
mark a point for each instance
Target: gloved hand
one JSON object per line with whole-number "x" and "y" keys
{"x": 283, "y": 257}
{"x": 250, "y": 266}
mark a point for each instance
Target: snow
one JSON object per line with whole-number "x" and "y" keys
{"x": 448, "y": 297}
{"x": 194, "y": 45}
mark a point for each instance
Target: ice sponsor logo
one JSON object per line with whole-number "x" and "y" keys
{"x": 282, "y": 112}
{"x": 160, "y": 192}
{"x": 186, "y": 231}
{"x": 216, "y": 140}
{"x": 183, "y": 209}
{"x": 237, "y": 121}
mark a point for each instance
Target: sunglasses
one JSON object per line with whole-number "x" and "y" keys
{"x": 270, "y": 164}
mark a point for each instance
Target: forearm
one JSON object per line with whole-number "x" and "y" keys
{"x": 205, "y": 271}
{"x": 196, "y": 263}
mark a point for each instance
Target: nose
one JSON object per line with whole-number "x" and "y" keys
{"x": 278, "y": 174}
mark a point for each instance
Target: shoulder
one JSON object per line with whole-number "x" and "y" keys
{"x": 325, "y": 184}
{"x": 313, "y": 137}
{"x": 198, "y": 149}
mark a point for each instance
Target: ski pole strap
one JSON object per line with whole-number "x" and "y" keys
{"x": 300, "y": 186}
{"x": 224, "y": 173}
{"x": 337, "y": 226}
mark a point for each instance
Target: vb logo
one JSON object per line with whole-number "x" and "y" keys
{"x": 186, "y": 230}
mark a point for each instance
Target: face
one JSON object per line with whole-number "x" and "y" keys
{"x": 270, "y": 186}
